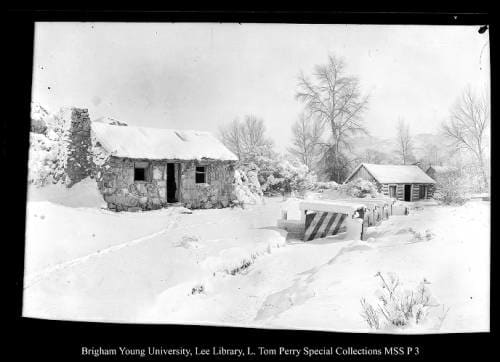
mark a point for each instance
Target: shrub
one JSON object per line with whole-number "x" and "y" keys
{"x": 275, "y": 176}
{"x": 198, "y": 289}
{"x": 283, "y": 176}
{"x": 451, "y": 189}
{"x": 398, "y": 308}
{"x": 359, "y": 188}
{"x": 328, "y": 185}
{"x": 247, "y": 188}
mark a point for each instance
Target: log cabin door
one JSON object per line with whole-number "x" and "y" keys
{"x": 172, "y": 182}
{"x": 407, "y": 193}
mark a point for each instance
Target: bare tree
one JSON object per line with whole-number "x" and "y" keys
{"x": 374, "y": 156}
{"x": 432, "y": 155}
{"x": 231, "y": 136}
{"x": 335, "y": 100}
{"x": 468, "y": 125}
{"x": 306, "y": 134}
{"x": 246, "y": 138}
{"x": 254, "y": 138}
{"x": 404, "y": 141}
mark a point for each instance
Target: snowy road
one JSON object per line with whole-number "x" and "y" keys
{"x": 318, "y": 285}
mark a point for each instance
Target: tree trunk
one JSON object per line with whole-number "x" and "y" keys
{"x": 337, "y": 160}
{"x": 483, "y": 170}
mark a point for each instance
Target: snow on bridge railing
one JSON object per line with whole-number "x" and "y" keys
{"x": 320, "y": 218}
{"x": 323, "y": 218}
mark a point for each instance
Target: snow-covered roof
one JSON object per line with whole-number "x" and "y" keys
{"x": 387, "y": 174}
{"x": 343, "y": 207}
{"x": 159, "y": 144}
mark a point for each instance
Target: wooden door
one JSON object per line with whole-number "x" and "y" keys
{"x": 407, "y": 192}
{"x": 171, "y": 183}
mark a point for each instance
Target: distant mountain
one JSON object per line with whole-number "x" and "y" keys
{"x": 426, "y": 146}
{"x": 364, "y": 143}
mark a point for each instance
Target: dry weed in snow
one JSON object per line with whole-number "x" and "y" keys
{"x": 400, "y": 308}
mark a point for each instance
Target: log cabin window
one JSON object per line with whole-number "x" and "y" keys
{"x": 201, "y": 174}
{"x": 141, "y": 171}
{"x": 422, "y": 192}
{"x": 392, "y": 191}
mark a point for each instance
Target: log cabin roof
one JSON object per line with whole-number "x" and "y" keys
{"x": 442, "y": 169}
{"x": 394, "y": 174}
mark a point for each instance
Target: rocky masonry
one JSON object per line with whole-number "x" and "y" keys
{"x": 68, "y": 152}
{"x": 116, "y": 182}
{"x": 216, "y": 192}
{"x": 79, "y": 163}
{"x": 115, "y": 179}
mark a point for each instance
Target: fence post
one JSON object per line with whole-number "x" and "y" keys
{"x": 354, "y": 228}
{"x": 284, "y": 214}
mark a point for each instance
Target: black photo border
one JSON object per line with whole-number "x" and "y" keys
{"x": 30, "y": 338}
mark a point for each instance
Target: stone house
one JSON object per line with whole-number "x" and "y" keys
{"x": 403, "y": 182}
{"x": 148, "y": 168}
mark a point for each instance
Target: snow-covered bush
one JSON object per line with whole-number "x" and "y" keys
{"x": 38, "y": 116}
{"x": 359, "y": 188}
{"x": 247, "y": 188}
{"x": 397, "y": 307}
{"x": 273, "y": 176}
{"x": 451, "y": 189}
{"x": 250, "y": 175}
{"x": 325, "y": 185}
{"x": 283, "y": 176}
{"x": 47, "y": 158}
{"x": 48, "y": 149}
{"x": 472, "y": 179}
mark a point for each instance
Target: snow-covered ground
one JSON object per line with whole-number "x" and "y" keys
{"x": 234, "y": 267}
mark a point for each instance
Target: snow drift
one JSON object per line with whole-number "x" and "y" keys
{"x": 82, "y": 194}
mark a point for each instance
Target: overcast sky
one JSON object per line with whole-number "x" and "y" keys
{"x": 199, "y": 76}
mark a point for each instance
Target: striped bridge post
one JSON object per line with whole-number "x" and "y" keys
{"x": 320, "y": 224}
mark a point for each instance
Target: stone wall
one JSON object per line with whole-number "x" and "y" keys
{"x": 79, "y": 159}
{"x": 115, "y": 178}
{"x": 82, "y": 156}
{"x": 216, "y": 192}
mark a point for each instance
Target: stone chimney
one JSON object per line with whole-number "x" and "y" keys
{"x": 79, "y": 157}
{"x": 419, "y": 164}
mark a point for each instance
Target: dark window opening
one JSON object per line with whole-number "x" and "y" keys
{"x": 422, "y": 192}
{"x": 200, "y": 174}
{"x": 142, "y": 171}
{"x": 139, "y": 174}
